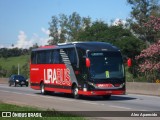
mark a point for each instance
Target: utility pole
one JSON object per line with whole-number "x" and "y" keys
{"x": 18, "y": 68}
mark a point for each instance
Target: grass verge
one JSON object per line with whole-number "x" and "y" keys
{"x": 9, "y": 62}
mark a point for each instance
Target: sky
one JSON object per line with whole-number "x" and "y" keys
{"x": 26, "y": 22}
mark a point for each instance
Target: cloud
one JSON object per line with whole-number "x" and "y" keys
{"x": 2, "y": 46}
{"x": 118, "y": 21}
{"x": 45, "y": 31}
{"x": 41, "y": 41}
{"x": 25, "y": 42}
{"x": 22, "y": 41}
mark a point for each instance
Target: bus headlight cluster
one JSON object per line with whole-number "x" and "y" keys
{"x": 84, "y": 87}
{"x": 122, "y": 85}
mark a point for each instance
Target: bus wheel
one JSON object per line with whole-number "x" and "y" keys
{"x": 43, "y": 92}
{"x": 106, "y": 97}
{"x": 75, "y": 92}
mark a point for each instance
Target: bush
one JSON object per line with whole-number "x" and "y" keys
{"x": 149, "y": 62}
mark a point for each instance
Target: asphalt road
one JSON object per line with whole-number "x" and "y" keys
{"x": 64, "y": 102}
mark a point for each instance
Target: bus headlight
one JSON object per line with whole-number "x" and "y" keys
{"x": 84, "y": 87}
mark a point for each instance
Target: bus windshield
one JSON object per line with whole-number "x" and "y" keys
{"x": 105, "y": 65}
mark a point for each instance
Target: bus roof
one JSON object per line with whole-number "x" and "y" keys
{"x": 92, "y": 46}
{"x": 97, "y": 46}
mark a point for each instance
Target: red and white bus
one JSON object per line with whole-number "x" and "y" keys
{"x": 78, "y": 68}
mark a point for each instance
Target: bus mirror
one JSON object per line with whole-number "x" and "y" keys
{"x": 88, "y": 63}
{"x": 129, "y": 62}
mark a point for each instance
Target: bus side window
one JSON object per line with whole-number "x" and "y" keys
{"x": 72, "y": 56}
{"x": 38, "y": 58}
{"x": 33, "y": 58}
{"x": 41, "y": 57}
{"x": 48, "y": 57}
{"x": 82, "y": 61}
{"x": 56, "y": 58}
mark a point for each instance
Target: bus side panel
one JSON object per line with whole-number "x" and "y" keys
{"x": 58, "y": 90}
{"x": 34, "y": 76}
{"x": 56, "y": 77}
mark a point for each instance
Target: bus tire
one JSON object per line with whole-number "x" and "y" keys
{"x": 106, "y": 97}
{"x": 43, "y": 92}
{"x": 75, "y": 92}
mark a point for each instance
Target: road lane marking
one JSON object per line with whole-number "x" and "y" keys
{"x": 150, "y": 96}
{"x": 93, "y": 103}
{"x": 144, "y": 110}
{"x": 37, "y": 95}
{"x": 120, "y": 107}
{"x": 71, "y": 100}
{"x": 51, "y": 97}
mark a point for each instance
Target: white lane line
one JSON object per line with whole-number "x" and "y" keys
{"x": 70, "y": 100}
{"x": 37, "y": 95}
{"x": 51, "y": 97}
{"x": 120, "y": 107}
{"x": 150, "y": 96}
{"x": 144, "y": 110}
{"x": 93, "y": 103}
{"x": 17, "y": 93}
{"x": 102, "y": 104}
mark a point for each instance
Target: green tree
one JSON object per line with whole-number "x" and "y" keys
{"x": 141, "y": 10}
{"x": 130, "y": 46}
{"x": 54, "y": 31}
{"x": 101, "y": 31}
{"x": 117, "y": 35}
{"x": 67, "y": 28}
{"x": 96, "y": 32}
{"x": 152, "y": 28}
{"x": 2, "y": 72}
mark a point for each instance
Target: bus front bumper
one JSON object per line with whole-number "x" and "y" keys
{"x": 101, "y": 93}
